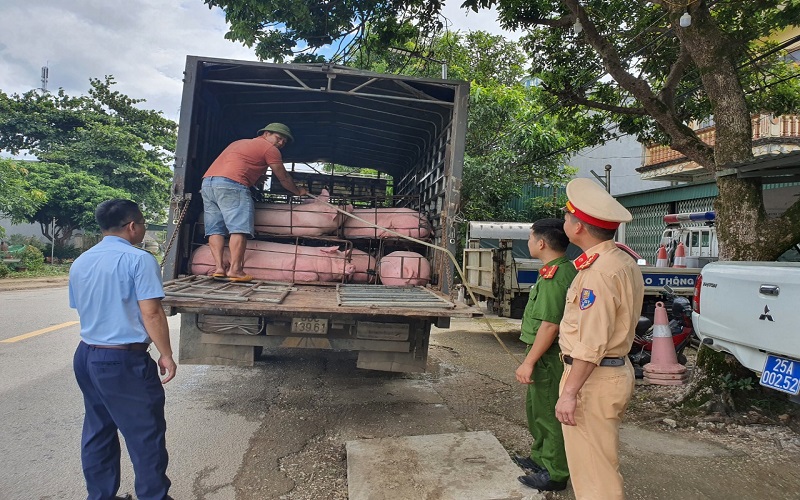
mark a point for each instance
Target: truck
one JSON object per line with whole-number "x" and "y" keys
{"x": 499, "y": 269}
{"x": 749, "y": 310}
{"x": 697, "y": 232}
{"x": 371, "y": 140}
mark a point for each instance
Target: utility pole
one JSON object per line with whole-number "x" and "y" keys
{"x": 606, "y": 182}
{"x": 53, "y": 242}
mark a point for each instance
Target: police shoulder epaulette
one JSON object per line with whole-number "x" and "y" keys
{"x": 584, "y": 261}
{"x": 547, "y": 272}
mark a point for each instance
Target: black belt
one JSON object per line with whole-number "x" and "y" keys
{"x": 139, "y": 346}
{"x": 603, "y": 362}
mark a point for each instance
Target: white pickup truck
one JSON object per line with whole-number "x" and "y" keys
{"x": 752, "y": 311}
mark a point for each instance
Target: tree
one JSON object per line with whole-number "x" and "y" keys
{"x": 18, "y": 199}
{"x": 72, "y": 197}
{"x": 662, "y": 76}
{"x": 510, "y": 137}
{"x": 101, "y": 136}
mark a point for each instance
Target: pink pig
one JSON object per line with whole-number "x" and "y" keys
{"x": 282, "y": 262}
{"x": 404, "y": 268}
{"x": 405, "y": 221}
{"x": 365, "y": 267}
{"x": 310, "y": 218}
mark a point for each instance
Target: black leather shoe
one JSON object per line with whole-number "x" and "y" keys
{"x": 126, "y": 496}
{"x": 542, "y": 482}
{"x": 527, "y": 464}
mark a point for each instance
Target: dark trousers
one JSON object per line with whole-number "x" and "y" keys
{"x": 548, "y": 440}
{"x": 122, "y": 391}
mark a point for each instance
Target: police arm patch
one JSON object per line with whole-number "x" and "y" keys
{"x": 587, "y": 298}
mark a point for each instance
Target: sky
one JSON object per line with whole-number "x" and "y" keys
{"x": 143, "y": 45}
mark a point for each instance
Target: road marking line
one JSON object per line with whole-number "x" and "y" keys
{"x": 38, "y": 332}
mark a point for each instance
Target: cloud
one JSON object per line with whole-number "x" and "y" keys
{"x": 142, "y": 43}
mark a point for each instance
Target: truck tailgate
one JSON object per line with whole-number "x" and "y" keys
{"x": 204, "y": 295}
{"x": 751, "y": 304}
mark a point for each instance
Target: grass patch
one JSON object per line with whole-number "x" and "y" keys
{"x": 46, "y": 271}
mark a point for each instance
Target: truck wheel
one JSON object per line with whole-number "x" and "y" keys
{"x": 258, "y": 351}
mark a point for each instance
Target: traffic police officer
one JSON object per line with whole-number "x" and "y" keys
{"x": 603, "y": 305}
{"x": 542, "y": 367}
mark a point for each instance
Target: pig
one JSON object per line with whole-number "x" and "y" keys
{"x": 404, "y": 268}
{"x": 405, "y": 221}
{"x": 282, "y": 262}
{"x": 310, "y": 218}
{"x": 365, "y": 267}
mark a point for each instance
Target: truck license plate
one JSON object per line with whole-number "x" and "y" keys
{"x": 781, "y": 374}
{"x": 310, "y": 325}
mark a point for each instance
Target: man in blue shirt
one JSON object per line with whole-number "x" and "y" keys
{"x": 117, "y": 291}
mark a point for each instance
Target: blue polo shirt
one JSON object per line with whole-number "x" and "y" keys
{"x": 106, "y": 284}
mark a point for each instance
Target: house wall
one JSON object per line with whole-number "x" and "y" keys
{"x": 624, "y": 155}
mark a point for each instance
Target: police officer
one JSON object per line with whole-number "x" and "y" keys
{"x": 542, "y": 367}
{"x": 117, "y": 291}
{"x": 603, "y": 305}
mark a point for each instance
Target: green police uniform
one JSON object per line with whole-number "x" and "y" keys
{"x": 546, "y": 303}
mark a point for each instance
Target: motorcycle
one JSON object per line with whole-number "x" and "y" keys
{"x": 680, "y": 326}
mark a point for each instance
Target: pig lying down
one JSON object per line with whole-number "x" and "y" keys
{"x": 364, "y": 267}
{"x": 405, "y": 221}
{"x": 311, "y": 218}
{"x": 404, "y": 268}
{"x": 265, "y": 260}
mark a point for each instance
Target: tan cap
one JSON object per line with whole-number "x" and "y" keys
{"x": 589, "y": 202}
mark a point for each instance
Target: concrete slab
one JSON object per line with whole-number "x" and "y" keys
{"x": 464, "y": 465}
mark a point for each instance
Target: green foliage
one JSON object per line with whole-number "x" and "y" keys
{"x": 62, "y": 252}
{"x": 22, "y": 240}
{"x": 4, "y": 270}
{"x": 31, "y": 258}
{"x": 510, "y": 139}
{"x": 74, "y": 195}
{"x": 18, "y": 199}
{"x": 102, "y": 139}
{"x": 545, "y": 207}
{"x": 641, "y": 38}
{"x": 731, "y": 383}
{"x": 280, "y": 29}
{"x": 45, "y": 271}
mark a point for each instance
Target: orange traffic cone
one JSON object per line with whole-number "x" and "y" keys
{"x": 663, "y": 368}
{"x": 661, "y": 259}
{"x": 680, "y": 256}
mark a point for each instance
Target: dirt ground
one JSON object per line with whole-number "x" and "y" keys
{"x": 7, "y": 284}
{"x": 312, "y": 403}
{"x": 665, "y": 453}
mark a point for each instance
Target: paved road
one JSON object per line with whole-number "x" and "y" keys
{"x": 41, "y": 410}
{"x": 278, "y": 430}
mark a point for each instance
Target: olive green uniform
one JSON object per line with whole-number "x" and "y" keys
{"x": 546, "y": 303}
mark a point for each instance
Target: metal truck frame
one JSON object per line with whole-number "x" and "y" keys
{"x": 409, "y": 129}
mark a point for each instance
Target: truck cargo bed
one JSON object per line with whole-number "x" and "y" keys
{"x": 204, "y": 295}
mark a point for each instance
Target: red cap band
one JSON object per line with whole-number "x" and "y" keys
{"x": 589, "y": 219}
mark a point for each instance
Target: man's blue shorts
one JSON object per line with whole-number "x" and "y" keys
{"x": 228, "y": 207}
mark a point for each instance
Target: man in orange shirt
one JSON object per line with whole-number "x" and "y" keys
{"x": 228, "y": 207}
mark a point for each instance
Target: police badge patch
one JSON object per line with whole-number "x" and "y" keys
{"x": 587, "y": 298}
